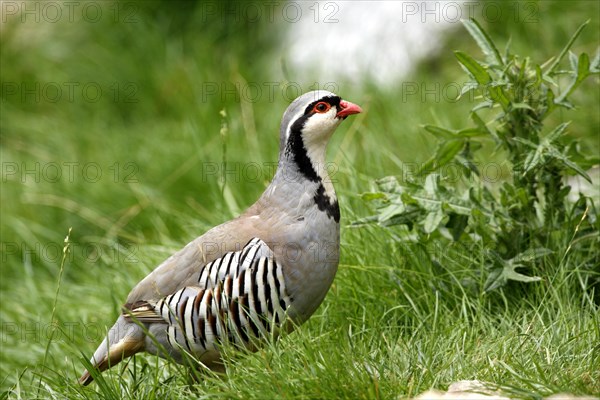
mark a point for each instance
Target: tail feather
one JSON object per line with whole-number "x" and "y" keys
{"x": 124, "y": 339}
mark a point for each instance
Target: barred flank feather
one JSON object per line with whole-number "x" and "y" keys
{"x": 240, "y": 297}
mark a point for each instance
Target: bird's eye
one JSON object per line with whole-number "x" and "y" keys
{"x": 321, "y": 107}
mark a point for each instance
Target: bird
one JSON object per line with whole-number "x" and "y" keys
{"x": 260, "y": 274}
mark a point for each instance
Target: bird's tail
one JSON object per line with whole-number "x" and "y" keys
{"x": 124, "y": 339}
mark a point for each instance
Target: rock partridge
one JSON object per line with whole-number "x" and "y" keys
{"x": 263, "y": 272}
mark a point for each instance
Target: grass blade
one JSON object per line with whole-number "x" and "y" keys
{"x": 439, "y": 131}
{"x": 566, "y": 49}
{"x": 66, "y": 251}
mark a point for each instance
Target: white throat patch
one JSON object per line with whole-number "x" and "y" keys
{"x": 315, "y": 135}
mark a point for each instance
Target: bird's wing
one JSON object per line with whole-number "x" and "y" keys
{"x": 182, "y": 268}
{"x": 237, "y": 297}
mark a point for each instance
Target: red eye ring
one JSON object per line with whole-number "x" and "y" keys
{"x": 321, "y": 107}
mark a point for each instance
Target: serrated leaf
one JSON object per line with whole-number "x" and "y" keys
{"x": 533, "y": 160}
{"x": 523, "y": 68}
{"x": 408, "y": 199}
{"x": 431, "y": 183}
{"x": 568, "y": 163}
{"x": 498, "y": 277}
{"x": 433, "y": 220}
{"x": 427, "y": 202}
{"x": 583, "y": 67}
{"x": 484, "y": 42}
{"x": 496, "y": 257}
{"x": 494, "y": 280}
{"x": 406, "y": 218}
{"x": 447, "y": 152}
{"x": 531, "y": 254}
{"x": 483, "y": 104}
{"x": 476, "y": 70}
{"x": 471, "y": 132}
{"x": 444, "y": 153}
{"x": 526, "y": 142}
{"x": 547, "y": 79}
{"x": 390, "y": 211}
{"x": 388, "y": 184}
{"x": 573, "y": 60}
{"x": 497, "y": 94}
{"x": 511, "y": 274}
{"x": 556, "y": 132}
{"x": 458, "y": 206}
{"x": 538, "y": 74}
{"x": 467, "y": 87}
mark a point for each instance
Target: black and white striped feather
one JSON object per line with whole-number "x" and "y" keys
{"x": 240, "y": 297}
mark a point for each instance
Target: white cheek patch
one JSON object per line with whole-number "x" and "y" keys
{"x": 320, "y": 127}
{"x": 317, "y": 128}
{"x": 317, "y": 131}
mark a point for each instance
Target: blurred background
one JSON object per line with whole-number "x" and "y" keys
{"x": 140, "y": 124}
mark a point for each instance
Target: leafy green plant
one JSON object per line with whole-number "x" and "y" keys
{"x": 522, "y": 220}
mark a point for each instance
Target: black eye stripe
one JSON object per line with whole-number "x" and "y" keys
{"x": 333, "y": 101}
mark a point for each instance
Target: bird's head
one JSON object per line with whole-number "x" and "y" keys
{"x": 307, "y": 125}
{"x": 315, "y": 115}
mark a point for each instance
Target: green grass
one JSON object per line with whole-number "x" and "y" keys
{"x": 392, "y": 326}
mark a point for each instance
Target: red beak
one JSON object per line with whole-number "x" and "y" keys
{"x": 348, "y": 108}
